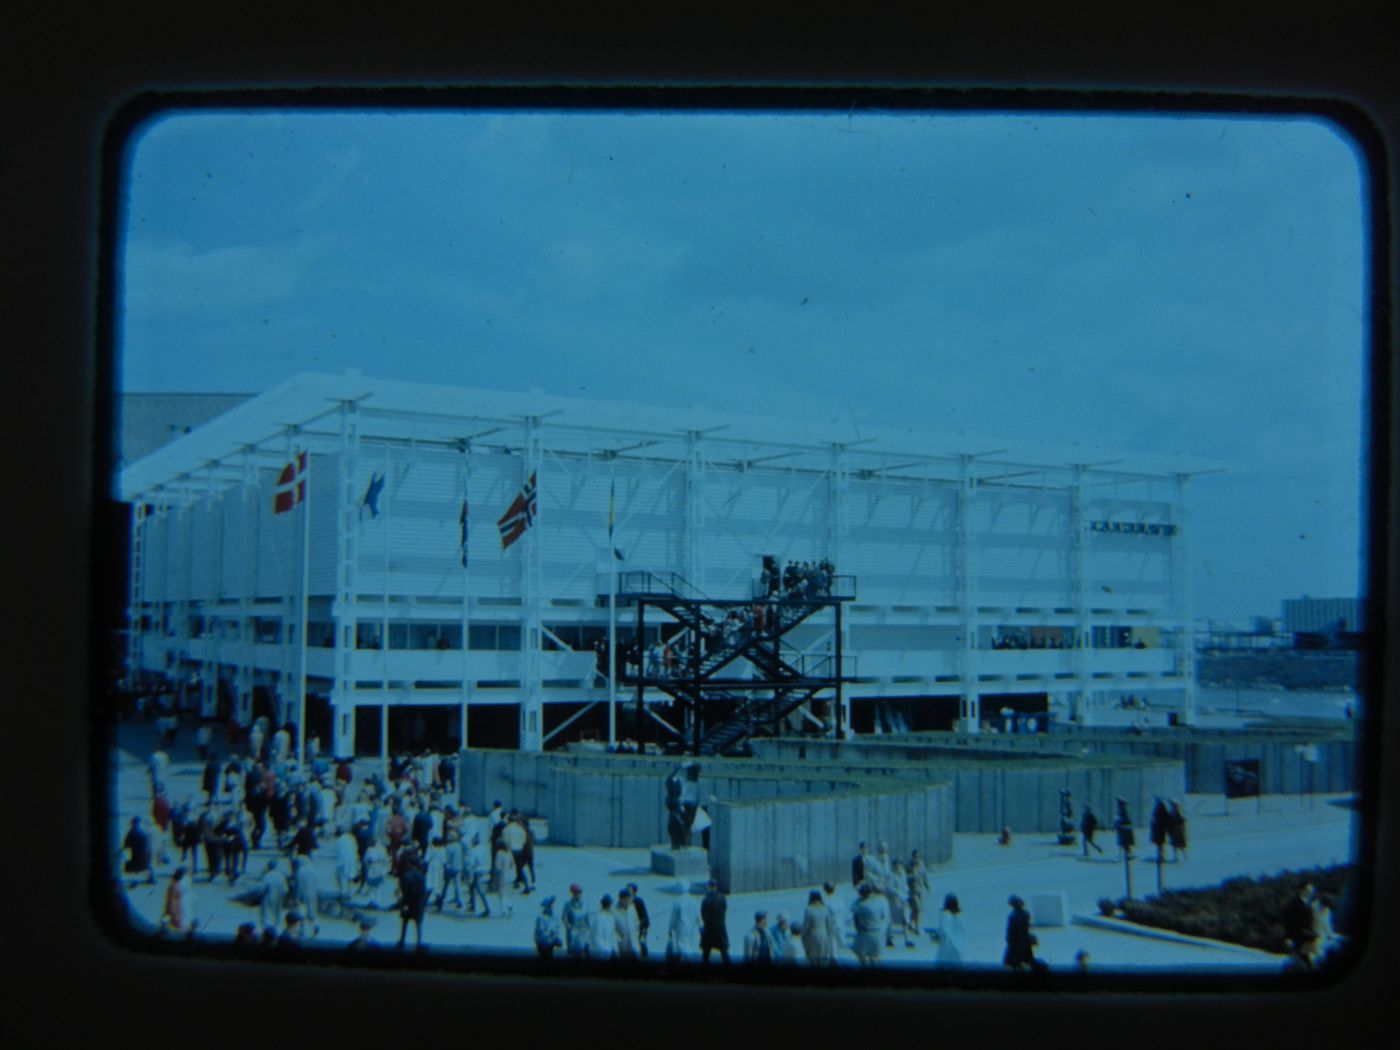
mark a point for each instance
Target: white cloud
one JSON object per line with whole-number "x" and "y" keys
{"x": 171, "y": 277}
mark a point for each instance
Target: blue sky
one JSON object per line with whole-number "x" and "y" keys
{"x": 1155, "y": 284}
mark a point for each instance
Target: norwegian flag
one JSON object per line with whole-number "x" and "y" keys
{"x": 519, "y": 516}
{"x": 291, "y": 485}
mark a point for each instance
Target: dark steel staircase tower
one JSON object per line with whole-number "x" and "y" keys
{"x": 731, "y": 667}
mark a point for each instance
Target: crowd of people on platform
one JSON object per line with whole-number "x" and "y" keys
{"x": 796, "y": 581}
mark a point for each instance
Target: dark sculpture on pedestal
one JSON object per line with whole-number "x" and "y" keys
{"x": 1066, "y": 836}
{"x": 682, "y": 800}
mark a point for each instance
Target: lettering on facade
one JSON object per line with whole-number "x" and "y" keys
{"x": 1136, "y": 528}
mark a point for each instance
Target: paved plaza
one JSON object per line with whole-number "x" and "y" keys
{"x": 1251, "y": 837}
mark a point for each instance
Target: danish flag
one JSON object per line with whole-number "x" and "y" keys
{"x": 291, "y": 485}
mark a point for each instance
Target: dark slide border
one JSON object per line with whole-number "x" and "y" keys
{"x": 71, "y": 979}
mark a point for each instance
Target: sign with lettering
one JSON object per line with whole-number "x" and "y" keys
{"x": 1135, "y": 528}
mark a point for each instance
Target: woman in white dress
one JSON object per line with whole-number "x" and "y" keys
{"x": 952, "y": 937}
{"x": 378, "y": 887}
{"x": 683, "y": 933}
{"x": 602, "y": 930}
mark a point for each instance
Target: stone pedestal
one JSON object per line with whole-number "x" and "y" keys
{"x": 689, "y": 863}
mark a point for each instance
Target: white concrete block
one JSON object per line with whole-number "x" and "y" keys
{"x": 1048, "y": 909}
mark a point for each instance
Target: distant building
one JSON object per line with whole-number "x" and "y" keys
{"x": 149, "y": 421}
{"x": 1325, "y": 623}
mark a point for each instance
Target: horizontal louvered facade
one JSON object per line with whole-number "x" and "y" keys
{"x": 974, "y": 573}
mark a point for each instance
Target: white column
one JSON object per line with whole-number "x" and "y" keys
{"x": 305, "y": 605}
{"x": 135, "y": 637}
{"x": 1079, "y": 576}
{"x": 342, "y": 612}
{"x": 1184, "y": 595}
{"x": 838, "y": 492}
{"x": 466, "y": 608}
{"x": 971, "y": 708}
{"x": 531, "y": 698}
{"x": 694, "y": 530}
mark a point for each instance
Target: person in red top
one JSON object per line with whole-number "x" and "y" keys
{"x": 396, "y": 827}
{"x": 343, "y": 772}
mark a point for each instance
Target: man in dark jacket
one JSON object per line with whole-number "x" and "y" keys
{"x": 138, "y": 844}
{"x": 643, "y": 919}
{"x": 858, "y": 866}
{"x": 413, "y": 894}
{"x": 1020, "y": 945}
{"x": 1088, "y": 824}
{"x": 1298, "y": 924}
{"x": 714, "y": 936}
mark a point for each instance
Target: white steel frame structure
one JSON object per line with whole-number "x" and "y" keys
{"x": 981, "y": 568}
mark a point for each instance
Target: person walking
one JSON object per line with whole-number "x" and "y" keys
{"x": 347, "y": 865}
{"x": 816, "y": 932}
{"x": 895, "y": 891}
{"x": 1088, "y": 824}
{"x": 1176, "y": 830}
{"x": 513, "y": 835}
{"x": 858, "y": 865}
{"x": 1020, "y": 943}
{"x": 453, "y": 861}
{"x": 952, "y": 936}
{"x": 306, "y": 893}
{"x": 625, "y": 920}
{"x": 547, "y": 933}
{"x": 478, "y": 862}
{"x": 838, "y": 913}
{"x": 639, "y": 908}
{"x": 785, "y": 940}
{"x": 683, "y": 932}
{"x": 273, "y": 895}
{"x": 137, "y": 845}
{"x": 714, "y": 936}
{"x": 435, "y": 870}
{"x": 501, "y": 867}
{"x": 919, "y": 890}
{"x": 602, "y": 931}
{"x": 379, "y": 889}
{"x": 1157, "y": 825}
{"x": 177, "y": 914}
{"x": 1299, "y": 922}
{"x": 576, "y": 923}
{"x": 413, "y": 899}
{"x": 1123, "y": 827}
{"x": 758, "y": 942}
{"x": 871, "y": 918}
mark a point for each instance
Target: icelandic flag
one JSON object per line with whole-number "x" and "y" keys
{"x": 291, "y": 485}
{"x": 371, "y": 500}
{"x": 519, "y": 516}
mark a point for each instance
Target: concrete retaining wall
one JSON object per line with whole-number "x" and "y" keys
{"x": 607, "y": 800}
{"x": 1203, "y": 753}
{"x": 783, "y": 843}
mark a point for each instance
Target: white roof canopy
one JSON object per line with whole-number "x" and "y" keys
{"x": 305, "y": 411}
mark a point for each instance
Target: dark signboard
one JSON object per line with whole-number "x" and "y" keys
{"x": 1241, "y": 777}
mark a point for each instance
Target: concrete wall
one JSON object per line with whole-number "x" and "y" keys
{"x": 600, "y": 808}
{"x": 1203, "y": 753}
{"x": 784, "y": 843}
{"x": 618, "y": 800}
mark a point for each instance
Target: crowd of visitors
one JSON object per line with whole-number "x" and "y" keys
{"x": 398, "y": 842}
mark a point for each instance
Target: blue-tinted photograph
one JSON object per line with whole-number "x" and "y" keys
{"x": 776, "y": 542}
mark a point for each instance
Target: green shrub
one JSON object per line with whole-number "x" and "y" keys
{"x": 1240, "y": 911}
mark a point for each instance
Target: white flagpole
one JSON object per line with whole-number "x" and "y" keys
{"x": 305, "y": 603}
{"x": 612, "y": 617}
